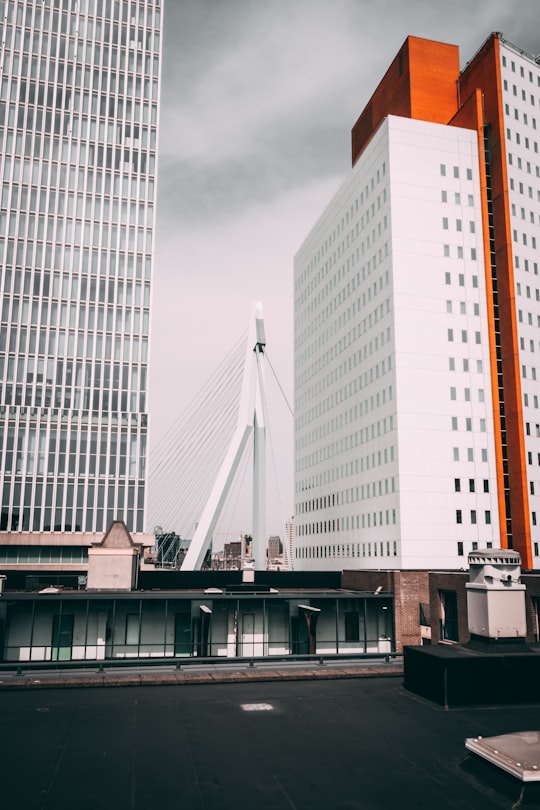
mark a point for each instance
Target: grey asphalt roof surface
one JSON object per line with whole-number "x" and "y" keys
{"x": 286, "y": 744}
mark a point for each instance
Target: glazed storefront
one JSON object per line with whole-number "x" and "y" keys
{"x": 85, "y": 626}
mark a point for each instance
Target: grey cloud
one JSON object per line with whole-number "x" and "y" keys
{"x": 286, "y": 160}
{"x": 260, "y": 98}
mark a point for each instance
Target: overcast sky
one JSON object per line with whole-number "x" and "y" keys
{"x": 258, "y": 99}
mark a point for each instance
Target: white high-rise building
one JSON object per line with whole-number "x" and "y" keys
{"x": 415, "y": 403}
{"x": 79, "y": 93}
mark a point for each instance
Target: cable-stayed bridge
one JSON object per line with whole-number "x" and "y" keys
{"x": 198, "y": 470}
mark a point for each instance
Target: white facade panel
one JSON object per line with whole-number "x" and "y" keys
{"x": 394, "y": 446}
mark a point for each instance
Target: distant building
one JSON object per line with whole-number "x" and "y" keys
{"x": 274, "y": 547}
{"x": 232, "y": 554}
{"x": 417, "y": 317}
{"x": 289, "y": 535}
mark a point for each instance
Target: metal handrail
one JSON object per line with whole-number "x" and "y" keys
{"x": 19, "y": 667}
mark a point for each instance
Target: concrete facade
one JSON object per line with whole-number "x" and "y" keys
{"x": 113, "y": 563}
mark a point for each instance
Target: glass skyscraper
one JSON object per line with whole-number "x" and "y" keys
{"x": 79, "y": 94}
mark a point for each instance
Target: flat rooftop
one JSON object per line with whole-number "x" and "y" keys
{"x": 362, "y": 743}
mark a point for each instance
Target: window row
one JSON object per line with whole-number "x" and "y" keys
{"x": 528, "y": 372}
{"x": 41, "y": 235}
{"x": 526, "y": 266}
{"x": 529, "y": 320}
{"x": 523, "y": 95}
{"x": 66, "y": 373}
{"x": 467, "y": 424}
{"x": 21, "y": 555}
{"x": 459, "y": 225}
{"x": 473, "y": 516}
{"x": 367, "y": 520}
{"x": 362, "y": 492}
{"x": 27, "y": 450}
{"x": 519, "y": 115}
{"x": 111, "y": 10}
{"x": 80, "y": 46}
{"x": 467, "y": 368}
{"x": 25, "y": 165}
{"x": 528, "y": 293}
{"x": 86, "y": 260}
{"x": 523, "y": 212}
{"x": 461, "y": 279}
{"x": 534, "y": 399}
{"x": 455, "y": 172}
{"x": 68, "y": 207}
{"x": 381, "y": 548}
{"x": 71, "y": 418}
{"x": 58, "y": 123}
{"x": 462, "y": 307}
{"x": 36, "y": 341}
{"x": 64, "y": 95}
{"x": 469, "y": 455}
{"x": 447, "y": 253}
{"x": 109, "y": 30}
{"x": 34, "y": 67}
{"x": 519, "y": 164}
{"x": 471, "y": 487}
{"x": 69, "y": 516}
{"x": 474, "y": 546}
{"x": 38, "y": 311}
{"x": 524, "y": 347}
{"x": 519, "y": 186}
{"x": 47, "y": 396}
{"x": 528, "y": 431}
{"x": 88, "y": 289}
{"x": 524, "y": 238}
{"x": 33, "y": 341}
{"x": 457, "y": 198}
{"x": 464, "y": 336}
{"x": 526, "y": 141}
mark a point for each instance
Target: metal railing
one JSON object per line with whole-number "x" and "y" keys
{"x": 175, "y": 664}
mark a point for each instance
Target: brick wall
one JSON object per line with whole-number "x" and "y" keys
{"x": 448, "y": 581}
{"x": 455, "y": 581}
{"x": 410, "y": 588}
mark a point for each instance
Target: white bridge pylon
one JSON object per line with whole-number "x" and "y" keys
{"x": 251, "y": 420}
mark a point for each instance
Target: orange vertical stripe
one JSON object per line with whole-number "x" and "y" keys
{"x": 484, "y": 72}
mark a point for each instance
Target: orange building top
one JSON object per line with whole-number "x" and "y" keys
{"x": 420, "y": 83}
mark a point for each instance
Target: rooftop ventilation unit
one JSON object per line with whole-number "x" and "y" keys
{"x": 495, "y": 595}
